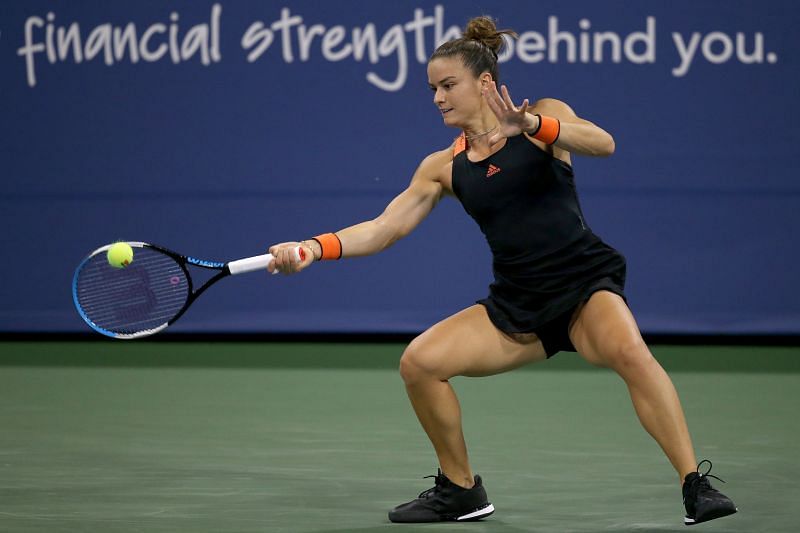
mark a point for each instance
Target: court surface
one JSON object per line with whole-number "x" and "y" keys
{"x": 218, "y": 436}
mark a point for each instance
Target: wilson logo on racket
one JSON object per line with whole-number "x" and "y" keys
{"x": 204, "y": 263}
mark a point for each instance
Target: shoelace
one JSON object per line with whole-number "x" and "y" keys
{"x": 707, "y": 474}
{"x": 700, "y": 480}
{"x": 438, "y": 481}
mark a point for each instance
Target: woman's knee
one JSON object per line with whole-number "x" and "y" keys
{"x": 630, "y": 358}
{"x": 419, "y": 362}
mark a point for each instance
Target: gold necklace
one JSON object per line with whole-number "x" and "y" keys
{"x": 470, "y": 137}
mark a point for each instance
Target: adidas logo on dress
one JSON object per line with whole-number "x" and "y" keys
{"x": 492, "y": 171}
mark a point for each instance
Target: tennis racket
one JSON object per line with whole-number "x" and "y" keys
{"x": 151, "y": 293}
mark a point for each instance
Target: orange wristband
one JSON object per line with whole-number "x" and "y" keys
{"x": 331, "y": 246}
{"x": 548, "y": 131}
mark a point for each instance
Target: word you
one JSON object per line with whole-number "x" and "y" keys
{"x": 718, "y": 47}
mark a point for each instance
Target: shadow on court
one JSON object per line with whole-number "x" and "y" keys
{"x": 488, "y": 525}
{"x": 493, "y": 526}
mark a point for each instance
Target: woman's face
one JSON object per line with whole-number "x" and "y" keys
{"x": 457, "y": 93}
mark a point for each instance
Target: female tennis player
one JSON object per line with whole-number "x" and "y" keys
{"x": 556, "y": 286}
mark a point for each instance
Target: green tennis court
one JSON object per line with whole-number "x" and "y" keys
{"x": 237, "y": 436}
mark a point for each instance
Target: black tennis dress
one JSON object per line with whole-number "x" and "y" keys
{"x": 546, "y": 260}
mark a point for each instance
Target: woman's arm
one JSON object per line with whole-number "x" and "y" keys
{"x": 576, "y": 136}
{"x": 400, "y": 217}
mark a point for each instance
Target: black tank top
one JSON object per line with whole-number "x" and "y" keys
{"x": 525, "y": 202}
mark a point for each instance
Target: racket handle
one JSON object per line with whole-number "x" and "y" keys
{"x": 259, "y": 262}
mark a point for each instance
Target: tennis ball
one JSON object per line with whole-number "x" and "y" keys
{"x": 120, "y": 255}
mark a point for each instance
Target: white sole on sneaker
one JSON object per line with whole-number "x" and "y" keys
{"x": 477, "y": 515}
{"x": 687, "y": 521}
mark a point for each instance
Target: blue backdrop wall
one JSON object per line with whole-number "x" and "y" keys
{"x": 219, "y": 128}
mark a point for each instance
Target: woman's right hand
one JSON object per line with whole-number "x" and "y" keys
{"x": 286, "y": 261}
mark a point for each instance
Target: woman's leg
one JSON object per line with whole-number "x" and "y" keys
{"x": 466, "y": 344}
{"x": 605, "y": 333}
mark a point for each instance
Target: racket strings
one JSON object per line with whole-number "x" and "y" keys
{"x": 146, "y": 294}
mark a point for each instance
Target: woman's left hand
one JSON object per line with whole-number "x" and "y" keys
{"x": 512, "y": 120}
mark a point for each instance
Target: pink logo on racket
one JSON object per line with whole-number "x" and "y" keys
{"x": 174, "y": 280}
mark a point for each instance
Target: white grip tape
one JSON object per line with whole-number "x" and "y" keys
{"x": 257, "y": 262}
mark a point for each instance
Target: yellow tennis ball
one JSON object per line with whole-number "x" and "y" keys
{"x": 120, "y": 255}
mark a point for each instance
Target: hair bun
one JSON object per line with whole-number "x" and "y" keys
{"x": 483, "y": 29}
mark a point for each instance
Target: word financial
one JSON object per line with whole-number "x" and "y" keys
{"x": 115, "y": 42}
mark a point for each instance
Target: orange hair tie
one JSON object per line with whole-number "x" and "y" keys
{"x": 331, "y": 246}
{"x": 548, "y": 131}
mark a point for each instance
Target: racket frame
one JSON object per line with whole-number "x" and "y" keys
{"x": 240, "y": 266}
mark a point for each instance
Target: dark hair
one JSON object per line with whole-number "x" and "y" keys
{"x": 477, "y": 47}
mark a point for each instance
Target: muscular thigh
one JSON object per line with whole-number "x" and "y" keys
{"x": 604, "y": 328}
{"x": 468, "y": 344}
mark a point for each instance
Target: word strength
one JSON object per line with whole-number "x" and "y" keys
{"x": 387, "y": 47}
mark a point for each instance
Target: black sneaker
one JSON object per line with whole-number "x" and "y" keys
{"x": 445, "y": 502}
{"x": 702, "y": 501}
